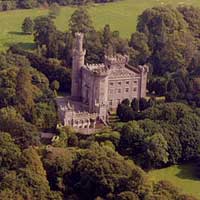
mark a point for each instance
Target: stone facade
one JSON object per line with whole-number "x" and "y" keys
{"x": 98, "y": 88}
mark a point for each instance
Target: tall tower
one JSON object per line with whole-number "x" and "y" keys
{"x": 77, "y": 63}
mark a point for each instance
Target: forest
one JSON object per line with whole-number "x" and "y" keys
{"x": 152, "y": 133}
{"x": 28, "y": 4}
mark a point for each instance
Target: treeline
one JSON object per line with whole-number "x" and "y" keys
{"x": 51, "y": 68}
{"x": 28, "y": 4}
{"x": 27, "y": 103}
{"x": 88, "y": 171}
{"x": 162, "y": 134}
{"x": 173, "y": 39}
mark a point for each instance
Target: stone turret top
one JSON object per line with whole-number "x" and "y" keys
{"x": 118, "y": 59}
{"x": 79, "y": 41}
{"x": 144, "y": 68}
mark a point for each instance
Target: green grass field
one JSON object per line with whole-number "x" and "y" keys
{"x": 181, "y": 176}
{"x": 120, "y": 15}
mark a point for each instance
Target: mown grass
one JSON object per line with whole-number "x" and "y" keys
{"x": 182, "y": 176}
{"x": 120, "y": 15}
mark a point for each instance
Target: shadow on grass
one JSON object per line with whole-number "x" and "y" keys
{"x": 16, "y": 33}
{"x": 188, "y": 171}
{"x": 23, "y": 45}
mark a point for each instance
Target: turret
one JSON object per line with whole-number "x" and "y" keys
{"x": 77, "y": 63}
{"x": 143, "y": 74}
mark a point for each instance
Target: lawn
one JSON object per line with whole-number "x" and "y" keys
{"x": 121, "y": 16}
{"x": 181, "y": 176}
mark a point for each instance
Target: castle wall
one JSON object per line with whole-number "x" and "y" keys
{"x": 120, "y": 89}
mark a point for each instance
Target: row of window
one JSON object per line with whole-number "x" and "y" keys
{"x": 119, "y": 83}
{"x": 120, "y": 90}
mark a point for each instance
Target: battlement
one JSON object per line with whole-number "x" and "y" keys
{"x": 118, "y": 59}
{"x": 84, "y": 115}
{"x": 97, "y": 69}
{"x": 71, "y": 114}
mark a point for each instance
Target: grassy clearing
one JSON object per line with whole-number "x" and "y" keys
{"x": 121, "y": 16}
{"x": 182, "y": 176}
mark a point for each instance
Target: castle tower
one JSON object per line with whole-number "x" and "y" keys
{"x": 77, "y": 63}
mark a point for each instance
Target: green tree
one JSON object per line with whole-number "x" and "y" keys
{"x": 24, "y": 133}
{"x": 55, "y": 85}
{"x": 172, "y": 45}
{"x": 143, "y": 104}
{"x": 27, "y": 4}
{"x": 27, "y": 26}
{"x": 126, "y": 102}
{"x": 9, "y": 152}
{"x": 135, "y": 105}
{"x": 157, "y": 150}
{"x": 54, "y": 10}
{"x": 139, "y": 42}
{"x": 80, "y": 21}
{"x": 44, "y": 28}
{"x": 102, "y": 172}
{"x": 24, "y": 91}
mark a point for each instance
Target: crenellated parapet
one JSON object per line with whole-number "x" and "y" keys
{"x": 84, "y": 115}
{"x": 116, "y": 60}
{"x": 97, "y": 69}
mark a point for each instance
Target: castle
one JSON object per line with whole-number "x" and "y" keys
{"x": 98, "y": 88}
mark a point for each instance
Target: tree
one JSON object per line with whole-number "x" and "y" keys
{"x": 143, "y": 104}
{"x": 139, "y": 42}
{"x": 55, "y": 85}
{"x": 126, "y": 102}
{"x": 94, "y": 47}
{"x": 24, "y": 89}
{"x": 173, "y": 46}
{"x": 125, "y": 113}
{"x": 101, "y": 172}
{"x": 107, "y": 36}
{"x": 157, "y": 150}
{"x": 44, "y": 28}
{"x": 135, "y": 105}
{"x": 80, "y": 21}
{"x": 27, "y": 4}
{"x": 127, "y": 196}
{"x": 191, "y": 15}
{"x": 27, "y": 26}
{"x": 24, "y": 133}
{"x": 9, "y": 152}
{"x": 54, "y": 10}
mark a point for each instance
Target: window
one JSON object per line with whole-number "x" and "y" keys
{"x": 127, "y": 82}
{"x": 119, "y": 83}
{"x": 119, "y": 90}
{"x": 127, "y": 89}
{"x": 135, "y": 82}
{"x": 111, "y": 83}
{"x": 110, "y": 102}
{"x": 111, "y": 91}
{"x": 118, "y": 101}
{"x": 135, "y": 89}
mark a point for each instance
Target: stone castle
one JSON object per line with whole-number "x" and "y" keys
{"x": 99, "y": 88}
